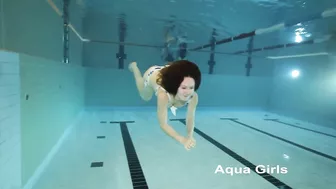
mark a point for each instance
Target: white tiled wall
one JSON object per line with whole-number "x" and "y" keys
{"x": 10, "y": 141}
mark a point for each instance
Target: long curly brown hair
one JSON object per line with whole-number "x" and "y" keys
{"x": 171, "y": 77}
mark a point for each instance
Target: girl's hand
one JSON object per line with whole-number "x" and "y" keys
{"x": 188, "y": 143}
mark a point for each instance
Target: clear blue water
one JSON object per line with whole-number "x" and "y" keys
{"x": 293, "y": 87}
{"x": 194, "y": 20}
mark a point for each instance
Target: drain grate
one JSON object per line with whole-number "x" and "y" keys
{"x": 137, "y": 175}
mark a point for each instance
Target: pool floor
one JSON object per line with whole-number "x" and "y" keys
{"x": 126, "y": 149}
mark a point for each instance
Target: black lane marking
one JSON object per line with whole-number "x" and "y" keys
{"x": 282, "y": 139}
{"x": 137, "y": 175}
{"x": 121, "y": 121}
{"x": 99, "y": 137}
{"x": 277, "y": 183}
{"x": 97, "y": 164}
{"x": 322, "y": 133}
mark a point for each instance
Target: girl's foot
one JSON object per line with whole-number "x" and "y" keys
{"x": 131, "y": 66}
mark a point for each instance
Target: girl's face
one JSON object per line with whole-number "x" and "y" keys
{"x": 186, "y": 89}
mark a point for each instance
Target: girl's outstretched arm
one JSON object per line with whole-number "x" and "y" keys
{"x": 190, "y": 118}
{"x": 162, "y": 113}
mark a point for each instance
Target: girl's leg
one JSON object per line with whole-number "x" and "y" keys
{"x": 146, "y": 93}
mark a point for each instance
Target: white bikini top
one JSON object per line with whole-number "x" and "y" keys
{"x": 172, "y": 108}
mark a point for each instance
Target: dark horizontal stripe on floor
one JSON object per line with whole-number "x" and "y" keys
{"x": 122, "y": 121}
{"x": 292, "y": 125}
{"x": 266, "y": 176}
{"x": 117, "y": 121}
{"x": 97, "y": 164}
{"x": 227, "y": 118}
{"x": 100, "y": 137}
{"x": 137, "y": 175}
{"x": 267, "y": 119}
{"x": 284, "y": 140}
